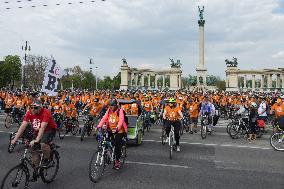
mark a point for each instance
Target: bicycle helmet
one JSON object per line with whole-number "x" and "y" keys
{"x": 113, "y": 102}
{"x": 172, "y": 100}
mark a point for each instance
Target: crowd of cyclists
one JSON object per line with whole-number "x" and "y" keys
{"x": 169, "y": 108}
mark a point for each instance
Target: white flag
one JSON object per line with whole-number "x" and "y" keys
{"x": 53, "y": 72}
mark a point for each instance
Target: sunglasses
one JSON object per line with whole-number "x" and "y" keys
{"x": 34, "y": 107}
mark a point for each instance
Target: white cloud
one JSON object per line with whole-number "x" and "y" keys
{"x": 279, "y": 55}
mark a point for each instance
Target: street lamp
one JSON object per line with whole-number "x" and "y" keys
{"x": 25, "y": 47}
{"x": 91, "y": 63}
{"x": 96, "y": 78}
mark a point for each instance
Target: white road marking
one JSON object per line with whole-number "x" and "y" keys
{"x": 158, "y": 164}
{"x": 220, "y": 145}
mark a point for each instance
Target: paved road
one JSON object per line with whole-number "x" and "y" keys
{"x": 217, "y": 162}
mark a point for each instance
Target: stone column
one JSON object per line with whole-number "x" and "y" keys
{"x": 282, "y": 81}
{"x": 262, "y": 82}
{"x": 149, "y": 79}
{"x": 278, "y": 81}
{"x": 136, "y": 79}
{"x": 180, "y": 82}
{"x": 253, "y": 82}
{"x": 245, "y": 81}
{"x": 201, "y": 70}
{"x": 269, "y": 81}
{"x": 142, "y": 80}
{"x": 164, "y": 80}
{"x": 156, "y": 81}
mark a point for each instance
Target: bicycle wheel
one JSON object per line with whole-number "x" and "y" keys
{"x": 84, "y": 130}
{"x": 277, "y": 141}
{"x": 17, "y": 177}
{"x": 171, "y": 143}
{"x": 163, "y": 137}
{"x": 123, "y": 155}
{"x": 9, "y": 121}
{"x": 97, "y": 165}
{"x": 75, "y": 127}
{"x": 49, "y": 173}
{"x": 234, "y": 130}
{"x": 62, "y": 131}
{"x": 203, "y": 132}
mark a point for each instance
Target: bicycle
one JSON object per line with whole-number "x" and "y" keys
{"x": 146, "y": 124}
{"x": 68, "y": 125}
{"x": 13, "y": 117}
{"x": 204, "y": 126}
{"x": 104, "y": 155}
{"x": 90, "y": 121}
{"x": 277, "y": 140}
{"x": 241, "y": 127}
{"x": 22, "y": 171}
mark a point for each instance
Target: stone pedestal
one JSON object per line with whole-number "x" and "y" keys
{"x": 232, "y": 79}
{"x": 124, "y": 77}
{"x": 175, "y": 79}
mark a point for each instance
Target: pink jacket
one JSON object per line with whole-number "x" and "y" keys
{"x": 121, "y": 123}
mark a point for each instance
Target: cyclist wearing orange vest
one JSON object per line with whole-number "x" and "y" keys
{"x": 172, "y": 116}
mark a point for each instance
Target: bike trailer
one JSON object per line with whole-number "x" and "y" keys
{"x": 135, "y": 129}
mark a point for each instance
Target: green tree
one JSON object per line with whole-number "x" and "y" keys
{"x": 221, "y": 85}
{"x": 117, "y": 80}
{"x": 106, "y": 83}
{"x": 11, "y": 70}
{"x": 34, "y": 70}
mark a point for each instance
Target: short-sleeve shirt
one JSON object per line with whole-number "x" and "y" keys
{"x": 36, "y": 120}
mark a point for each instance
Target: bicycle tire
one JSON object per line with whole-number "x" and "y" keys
{"x": 171, "y": 141}
{"x": 234, "y": 131}
{"x": 203, "y": 132}
{"x": 123, "y": 155}
{"x": 9, "y": 121}
{"x": 62, "y": 131}
{"x": 54, "y": 160}
{"x": 163, "y": 137}
{"x": 14, "y": 185}
{"x": 274, "y": 141}
{"x": 75, "y": 127}
{"x": 99, "y": 166}
{"x": 83, "y": 132}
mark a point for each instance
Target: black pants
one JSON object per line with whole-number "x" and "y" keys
{"x": 176, "y": 125}
{"x": 117, "y": 141}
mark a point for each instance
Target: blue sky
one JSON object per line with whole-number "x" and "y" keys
{"x": 147, "y": 33}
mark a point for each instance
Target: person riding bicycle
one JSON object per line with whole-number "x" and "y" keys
{"x": 116, "y": 127}
{"x": 43, "y": 127}
{"x": 278, "y": 109}
{"x": 172, "y": 116}
{"x": 207, "y": 109}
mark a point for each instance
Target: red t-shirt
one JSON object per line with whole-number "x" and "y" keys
{"x": 36, "y": 120}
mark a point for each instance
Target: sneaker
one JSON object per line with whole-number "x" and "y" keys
{"x": 178, "y": 148}
{"x": 167, "y": 139}
{"x": 191, "y": 132}
{"x": 117, "y": 164}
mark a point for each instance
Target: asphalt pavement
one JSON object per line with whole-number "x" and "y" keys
{"x": 216, "y": 162}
